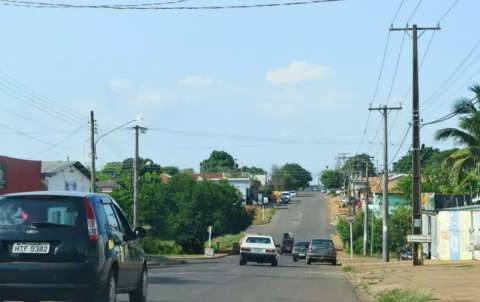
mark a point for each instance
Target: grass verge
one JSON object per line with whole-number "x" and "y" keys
{"x": 401, "y": 295}
{"x": 226, "y": 242}
{"x": 349, "y": 269}
{"x": 258, "y": 215}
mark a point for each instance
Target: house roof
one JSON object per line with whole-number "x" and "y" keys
{"x": 50, "y": 168}
{"x": 219, "y": 175}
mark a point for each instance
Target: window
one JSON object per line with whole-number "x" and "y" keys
{"x": 123, "y": 221}
{"x": 112, "y": 220}
{"x": 322, "y": 243}
{"x": 23, "y": 211}
{"x": 261, "y": 240}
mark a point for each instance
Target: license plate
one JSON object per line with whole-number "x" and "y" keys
{"x": 257, "y": 250}
{"x": 31, "y": 248}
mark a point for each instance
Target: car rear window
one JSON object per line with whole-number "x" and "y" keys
{"x": 322, "y": 243}
{"x": 261, "y": 240}
{"x": 40, "y": 211}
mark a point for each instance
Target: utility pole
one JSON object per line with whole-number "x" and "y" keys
{"x": 417, "y": 253}
{"x": 365, "y": 213}
{"x": 137, "y": 129}
{"x": 92, "y": 153}
{"x": 385, "y": 109}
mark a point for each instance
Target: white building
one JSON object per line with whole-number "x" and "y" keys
{"x": 65, "y": 176}
{"x": 242, "y": 184}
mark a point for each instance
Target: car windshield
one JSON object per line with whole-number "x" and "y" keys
{"x": 301, "y": 244}
{"x": 261, "y": 240}
{"x": 322, "y": 243}
{"x": 39, "y": 212}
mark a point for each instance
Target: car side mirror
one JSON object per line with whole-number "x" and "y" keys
{"x": 140, "y": 232}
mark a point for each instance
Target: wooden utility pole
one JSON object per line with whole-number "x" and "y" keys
{"x": 385, "y": 109}
{"x": 417, "y": 253}
{"x": 365, "y": 212}
{"x": 137, "y": 129}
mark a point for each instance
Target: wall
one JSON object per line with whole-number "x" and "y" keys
{"x": 20, "y": 175}
{"x": 75, "y": 179}
{"x": 454, "y": 236}
{"x": 243, "y": 185}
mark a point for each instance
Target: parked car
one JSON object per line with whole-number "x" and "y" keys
{"x": 69, "y": 246}
{"x": 293, "y": 194}
{"x": 321, "y": 250}
{"x": 300, "y": 250}
{"x": 405, "y": 253}
{"x": 287, "y": 243}
{"x": 286, "y": 197}
{"x": 259, "y": 249}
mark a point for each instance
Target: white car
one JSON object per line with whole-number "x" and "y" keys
{"x": 259, "y": 249}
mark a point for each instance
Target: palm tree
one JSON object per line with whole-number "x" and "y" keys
{"x": 468, "y": 135}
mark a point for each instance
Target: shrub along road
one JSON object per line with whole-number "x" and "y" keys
{"x": 224, "y": 280}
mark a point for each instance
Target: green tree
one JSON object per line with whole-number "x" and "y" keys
{"x": 219, "y": 161}
{"x": 170, "y": 170}
{"x": 296, "y": 176}
{"x": 468, "y": 135}
{"x": 358, "y": 163}
{"x": 331, "y": 179}
{"x": 253, "y": 170}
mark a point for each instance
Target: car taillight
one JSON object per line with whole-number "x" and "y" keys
{"x": 91, "y": 221}
{"x": 270, "y": 250}
{"x": 245, "y": 249}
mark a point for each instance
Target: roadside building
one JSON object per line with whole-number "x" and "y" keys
{"x": 239, "y": 180}
{"x": 65, "y": 176}
{"x": 19, "y": 175}
{"x": 106, "y": 186}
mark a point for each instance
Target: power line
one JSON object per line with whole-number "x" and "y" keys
{"x": 455, "y": 2}
{"x": 37, "y": 4}
{"x": 414, "y": 11}
{"x": 60, "y": 142}
{"x": 401, "y": 144}
{"x": 448, "y": 116}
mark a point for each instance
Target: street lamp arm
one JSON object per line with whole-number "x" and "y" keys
{"x": 114, "y": 129}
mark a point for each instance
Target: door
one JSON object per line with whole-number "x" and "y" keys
{"x": 116, "y": 238}
{"x": 133, "y": 250}
{"x": 476, "y": 235}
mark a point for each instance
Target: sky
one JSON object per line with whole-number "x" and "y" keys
{"x": 267, "y": 85}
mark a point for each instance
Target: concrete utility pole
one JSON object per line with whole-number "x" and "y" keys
{"x": 137, "y": 129}
{"x": 93, "y": 154}
{"x": 417, "y": 253}
{"x": 385, "y": 109}
{"x": 365, "y": 214}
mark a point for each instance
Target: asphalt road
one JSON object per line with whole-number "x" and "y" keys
{"x": 224, "y": 280}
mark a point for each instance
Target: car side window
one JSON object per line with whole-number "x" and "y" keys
{"x": 127, "y": 230}
{"x": 112, "y": 220}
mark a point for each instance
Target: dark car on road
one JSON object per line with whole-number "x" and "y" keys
{"x": 321, "y": 250}
{"x": 300, "y": 250}
{"x": 287, "y": 243}
{"x": 69, "y": 246}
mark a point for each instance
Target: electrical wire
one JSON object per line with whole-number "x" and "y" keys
{"x": 414, "y": 11}
{"x": 37, "y": 4}
{"x": 60, "y": 142}
{"x": 401, "y": 144}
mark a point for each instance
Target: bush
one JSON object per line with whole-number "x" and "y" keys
{"x": 225, "y": 242}
{"x": 154, "y": 246}
{"x": 401, "y": 295}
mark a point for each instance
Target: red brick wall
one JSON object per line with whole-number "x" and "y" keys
{"x": 20, "y": 175}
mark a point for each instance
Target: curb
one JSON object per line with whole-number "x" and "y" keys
{"x": 155, "y": 260}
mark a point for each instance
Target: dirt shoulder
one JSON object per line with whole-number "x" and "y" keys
{"x": 449, "y": 281}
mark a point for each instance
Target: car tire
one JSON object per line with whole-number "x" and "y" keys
{"x": 334, "y": 262}
{"x": 242, "y": 261}
{"x": 295, "y": 259}
{"x": 275, "y": 263}
{"x": 309, "y": 261}
{"x": 109, "y": 293}
{"x": 140, "y": 294}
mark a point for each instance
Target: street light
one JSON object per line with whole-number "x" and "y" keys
{"x": 94, "y": 149}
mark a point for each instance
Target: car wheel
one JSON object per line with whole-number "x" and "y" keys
{"x": 309, "y": 261}
{"x": 334, "y": 262}
{"x": 242, "y": 261}
{"x": 141, "y": 292}
{"x": 109, "y": 293}
{"x": 295, "y": 259}
{"x": 275, "y": 262}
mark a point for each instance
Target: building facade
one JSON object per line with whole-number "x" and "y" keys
{"x": 19, "y": 175}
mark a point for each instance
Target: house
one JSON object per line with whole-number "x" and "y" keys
{"x": 165, "y": 178}
{"x": 65, "y": 176}
{"x": 238, "y": 180}
{"x": 106, "y": 186}
{"x": 19, "y": 175}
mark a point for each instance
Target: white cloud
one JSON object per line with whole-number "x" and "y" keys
{"x": 297, "y": 72}
{"x": 152, "y": 96}
{"x": 198, "y": 81}
{"x": 119, "y": 85}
